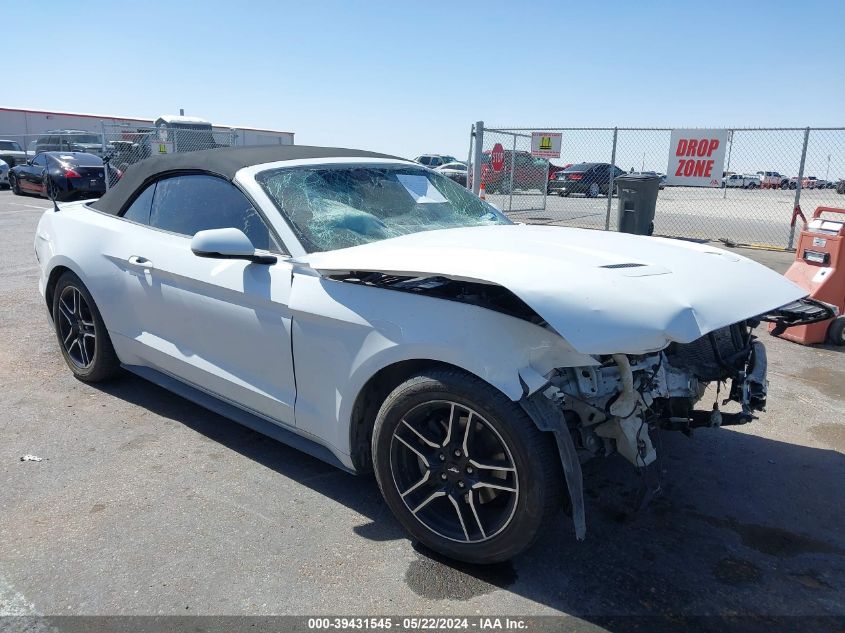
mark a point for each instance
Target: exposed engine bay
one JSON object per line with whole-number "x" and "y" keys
{"x": 612, "y": 407}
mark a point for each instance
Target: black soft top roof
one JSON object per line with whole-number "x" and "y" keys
{"x": 223, "y": 161}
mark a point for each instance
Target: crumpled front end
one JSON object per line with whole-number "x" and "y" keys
{"x": 617, "y": 406}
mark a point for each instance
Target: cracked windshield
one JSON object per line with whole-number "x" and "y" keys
{"x": 338, "y": 207}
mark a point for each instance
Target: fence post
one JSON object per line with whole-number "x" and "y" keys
{"x": 610, "y": 181}
{"x": 510, "y": 187}
{"x": 106, "y": 170}
{"x": 728, "y": 166}
{"x": 545, "y": 182}
{"x": 798, "y": 187}
{"x": 469, "y": 157}
{"x": 476, "y": 165}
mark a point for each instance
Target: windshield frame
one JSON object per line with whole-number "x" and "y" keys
{"x": 297, "y": 244}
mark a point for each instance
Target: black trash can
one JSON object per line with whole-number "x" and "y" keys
{"x": 637, "y": 201}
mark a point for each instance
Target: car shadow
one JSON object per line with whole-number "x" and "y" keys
{"x": 360, "y": 493}
{"x": 746, "y": 533}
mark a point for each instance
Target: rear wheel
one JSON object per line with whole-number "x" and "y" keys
{"x": 836, "y": 331}
{"x": 594, "y": 190}
{"x": 83, "y": 339}
{"x": 50, "y": 189}
{"x": 463, "y": 468}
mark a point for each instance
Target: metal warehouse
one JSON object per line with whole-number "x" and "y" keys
{"x": 23, "y": 125}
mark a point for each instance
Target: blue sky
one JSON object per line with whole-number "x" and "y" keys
{"x": 410, "y": 77}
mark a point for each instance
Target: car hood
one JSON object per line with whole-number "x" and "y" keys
{"x": 603, "y": 292}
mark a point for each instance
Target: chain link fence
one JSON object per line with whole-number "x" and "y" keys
{"x": 126, "y": 146}
{"x": 767, "y": 174}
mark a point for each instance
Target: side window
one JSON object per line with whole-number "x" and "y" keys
{"x": 187, "y": 204}
{"x": 40, "y": 160}
{"x": 425, "y": 160}
{"x": 139, "y": 210}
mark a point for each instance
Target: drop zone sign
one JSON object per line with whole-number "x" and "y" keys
{"x": 697, "y": 158}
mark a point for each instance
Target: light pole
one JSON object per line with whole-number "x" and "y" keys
{"x": 827, "y": 171}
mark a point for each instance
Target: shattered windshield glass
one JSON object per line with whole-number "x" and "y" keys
{"x": 333, "y": 207}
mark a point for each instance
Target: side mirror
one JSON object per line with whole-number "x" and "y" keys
{"x": 227, "y": 244}
{"x": 29, "y": 161}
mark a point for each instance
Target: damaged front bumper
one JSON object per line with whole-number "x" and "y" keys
{"x": 802, "y": 312}
{"x": 613, "y": 407}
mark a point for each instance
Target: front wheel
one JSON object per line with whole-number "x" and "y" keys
{"x": 463, "y": 468}
{"x": 83, "y": 339}
{"x": 836, "y": 331}
{"x": 13, "y": 182}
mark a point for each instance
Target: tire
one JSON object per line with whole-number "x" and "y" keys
{"x": 50, "y": 190}
{"x": 90, "y": 356}
{"x": 836, "y": 331}
{"x": 16, "y": 188}
{"x": 594, "y": 190}
{"x": 444, "y": 497}
{"x": 752, "y": 185}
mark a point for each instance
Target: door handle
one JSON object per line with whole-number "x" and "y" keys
{"x": 140, "y": 262}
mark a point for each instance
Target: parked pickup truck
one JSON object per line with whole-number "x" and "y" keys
{"x": 11, "y": 153}
{"x": 744, "y": 181}
{"x": 773, "y": 180}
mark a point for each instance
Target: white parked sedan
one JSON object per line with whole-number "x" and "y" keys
{"x": 377, "y": 315}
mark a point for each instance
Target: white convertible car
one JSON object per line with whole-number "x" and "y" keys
{"x": 377, "y": 315}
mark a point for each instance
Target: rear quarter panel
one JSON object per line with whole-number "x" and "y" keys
{"x": 89, "y": 243}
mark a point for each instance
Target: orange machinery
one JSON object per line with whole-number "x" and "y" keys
{"x": 819, "y": 267}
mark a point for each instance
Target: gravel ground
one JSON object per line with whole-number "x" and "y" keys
{"x": 147, "y": 504}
